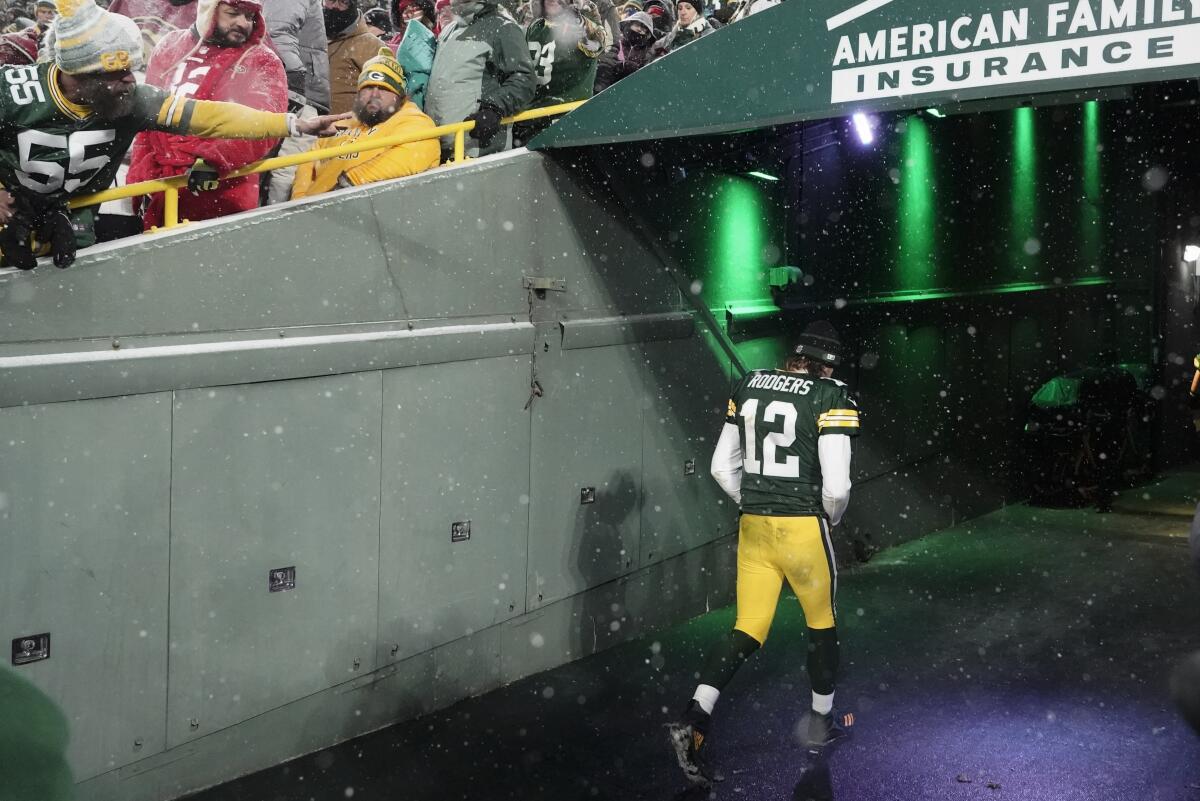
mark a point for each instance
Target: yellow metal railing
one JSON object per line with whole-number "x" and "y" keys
{"x": 170, "y": 186}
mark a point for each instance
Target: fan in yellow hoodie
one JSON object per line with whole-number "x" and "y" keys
{"x": 381, "y": 109}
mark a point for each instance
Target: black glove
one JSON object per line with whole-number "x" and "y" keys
{"x": 60, "y": 233}
{"x": 487, "y": 124}
{"x": 14, "y": 245}
{"x": 203, "y": 177}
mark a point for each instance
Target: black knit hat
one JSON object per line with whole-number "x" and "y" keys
{"x": 820, "y": 343}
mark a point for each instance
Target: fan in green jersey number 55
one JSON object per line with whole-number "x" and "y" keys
{"x": 66, "y": 125}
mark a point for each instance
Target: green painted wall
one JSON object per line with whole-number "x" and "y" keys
{"x": 182, "y": 414}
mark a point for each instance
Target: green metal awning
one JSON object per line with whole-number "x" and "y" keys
{"x": 803, "y": 60}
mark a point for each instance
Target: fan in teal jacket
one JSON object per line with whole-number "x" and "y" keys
{"x": 415, "y": 44}
{"x": 415, "y": 52}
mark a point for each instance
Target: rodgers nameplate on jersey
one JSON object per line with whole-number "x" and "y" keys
{"x": 780, "y": 416}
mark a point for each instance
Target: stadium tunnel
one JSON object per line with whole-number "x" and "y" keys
{"x": 259, "y": 405}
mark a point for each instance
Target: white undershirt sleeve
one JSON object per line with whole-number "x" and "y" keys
{"x": 726, "y": 465}
{"x": 834, "y": 453}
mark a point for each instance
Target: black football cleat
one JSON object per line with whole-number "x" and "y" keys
{"x": 686, "y": 742}
{"x": 817, "y": 732}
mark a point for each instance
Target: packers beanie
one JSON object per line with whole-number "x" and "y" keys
{"x": 89, "y": 39}
{"x": 384, "y": 71}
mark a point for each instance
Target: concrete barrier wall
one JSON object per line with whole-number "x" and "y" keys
{"x": 339, "y": 386}
{"x": 342, "y": 387}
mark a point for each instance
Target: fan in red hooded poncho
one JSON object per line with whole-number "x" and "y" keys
{"x": 156, "y": 18}
{"x": 20, "y": 47}
{"x": 229, "y": 61}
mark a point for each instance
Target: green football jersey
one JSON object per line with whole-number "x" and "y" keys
{"x": 55, "y": 149}
{"x": 780, "y": 416}
{"x": 560, "y": 49}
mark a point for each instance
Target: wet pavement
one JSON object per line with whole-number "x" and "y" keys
{"x": 1023, "y": 655}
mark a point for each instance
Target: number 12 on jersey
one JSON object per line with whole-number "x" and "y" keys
{"x": 772, "y": 441}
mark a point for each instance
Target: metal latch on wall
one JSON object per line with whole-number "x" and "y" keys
{"x": 33, "y": 648}
{"x": 543, "y": 285}
{"x": 281, "y": 579}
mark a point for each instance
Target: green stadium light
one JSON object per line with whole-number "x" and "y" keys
{"x": 1023, "y": 195}
{"x": 1091, "y": 216}
{"x": 934, "y": 112}
{"x": 737, "y": 239}
{"x": 762, "y": 175}
{"x": 917, "y": 258}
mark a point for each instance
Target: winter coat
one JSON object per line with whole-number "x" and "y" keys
{"x": 186, "y": 66}
{"x": 483, "y": 60}
{"x": 627, "y": 58}
{"x": 611, "y": 19}
{"x": 19, "y": 48}
{"x": 349, "y": 49}
{"x": 156, "y": 18}
{"x": 679, "y": 35}
{"x": 415, "y": 48}
{"x": 367, "y": 167}
{"x": 663, "y": 14}
{"x": 297, "y": 29}
{"x": 566, "y": 51}
{"x": 750, "y": 7}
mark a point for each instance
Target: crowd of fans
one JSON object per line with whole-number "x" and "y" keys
{"x": 395, "y": 67}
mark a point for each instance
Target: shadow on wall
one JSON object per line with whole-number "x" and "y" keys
{"x": 354, "y": 660}
{"x": 598, "y": 555}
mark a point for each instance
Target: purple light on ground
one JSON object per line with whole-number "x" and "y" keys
{"x": 862, "y": 126}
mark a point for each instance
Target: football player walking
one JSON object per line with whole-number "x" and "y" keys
{"x": 784, "y": 458}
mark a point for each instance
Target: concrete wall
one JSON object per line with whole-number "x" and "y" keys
{"x": 333, "y": 386}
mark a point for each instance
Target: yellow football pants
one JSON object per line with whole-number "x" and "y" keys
{"x": 771, "y": 549}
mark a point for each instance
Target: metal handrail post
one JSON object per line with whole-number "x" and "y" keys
{"x": 170, "y": 207}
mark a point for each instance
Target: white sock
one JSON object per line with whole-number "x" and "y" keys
{"x": 822, "y": 704}
{"x": 706, "y": 696}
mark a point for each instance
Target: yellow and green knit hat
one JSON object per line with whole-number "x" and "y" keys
{"x": 86, "y": 38}
{"x": 385, "y": 71}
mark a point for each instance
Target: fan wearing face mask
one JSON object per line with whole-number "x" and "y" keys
{"x": 635, "y": 52}
{"x": 351, "y": 46}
